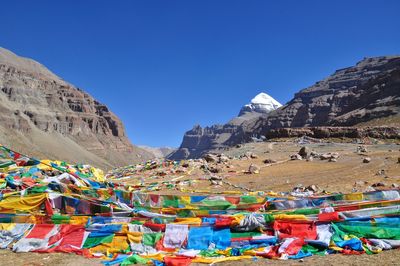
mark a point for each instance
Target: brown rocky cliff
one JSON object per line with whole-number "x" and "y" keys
{"x": 368, "y": 91}
{"x": 36, "y": 105}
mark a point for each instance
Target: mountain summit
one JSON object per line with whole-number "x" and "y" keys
{"x": 262, "y": 103}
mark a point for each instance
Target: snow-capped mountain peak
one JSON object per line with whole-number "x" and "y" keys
{"x": 262, "y": 103}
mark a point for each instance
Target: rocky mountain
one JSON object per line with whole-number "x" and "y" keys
{"x": 158, "y": 152}
{"x": 44, "y": 116}
{"x": 199, "y": 140}
{"x": 352, "y": 96}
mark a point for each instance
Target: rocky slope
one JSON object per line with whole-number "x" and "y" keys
{"x": 42, "y": 115}
{"x": 366, "y": 91}
{"x": 383, "y": 132}
{"x": 370, "y": 90}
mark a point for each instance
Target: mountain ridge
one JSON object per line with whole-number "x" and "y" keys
{"x": 350, "y": 96}
{"x": 36, "y": 105}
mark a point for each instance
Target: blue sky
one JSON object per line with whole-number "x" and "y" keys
{"x": 163, "y": 66}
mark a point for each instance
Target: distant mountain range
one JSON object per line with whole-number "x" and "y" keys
{"x": 45, "y": 116}
{"x": 158, "y": 152}
{"x": 352, "y": 96}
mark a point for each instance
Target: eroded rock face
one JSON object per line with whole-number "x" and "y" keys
{"x": 40, "y": 113}
{"x": 370, "y": 89}
{"x": 335, "y": 132}
{"x": 197, "y": 141}
{"x": 366, "y": 91}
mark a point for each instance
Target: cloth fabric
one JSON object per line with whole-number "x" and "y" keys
{"x": 26, "y": 203}
{"x": 175, "y": 235}
{"x": 200, "y": 238}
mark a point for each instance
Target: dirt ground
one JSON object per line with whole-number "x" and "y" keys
{"x": 390, "y": 257}
{"x": 283, "y": 176}
{"x": 337, "y": 176}
{"x": 8, "y": 258}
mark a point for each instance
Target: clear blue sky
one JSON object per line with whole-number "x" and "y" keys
{"x": 163, "y": 66}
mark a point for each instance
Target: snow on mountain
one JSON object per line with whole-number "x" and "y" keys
{"x": 262, "y": 103}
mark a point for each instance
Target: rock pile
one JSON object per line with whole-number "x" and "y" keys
{"x": 306, "y": 153}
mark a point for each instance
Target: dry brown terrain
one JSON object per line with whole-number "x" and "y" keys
{"x": 391, "y": 257}
{"x": 282, "y": 176}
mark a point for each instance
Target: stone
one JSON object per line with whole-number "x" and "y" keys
{"x": 334, "y": 155}
{"x": 369, "y": 189}
{"x": 314, "y": 154}
{"x": 395, "y": 185}
{"x": 254, "y": 169}
{"x": 222, "y": 158}
{"x": 304, "y": 152}
{"x": 361, "y": 149}
{"x": 359, "y": 183}
{"x": 216, "y": 183}
{"x": 325, "y": 156}
{"x": 161, "y": 173}
{"x": 253, "y": 156}
{"x": 310, "y": 159}
{"x": 332, "y": 160}
{"x": 381, "y": 172}
{"x": 269, "y": 161}
{"x": 378, "y": 184}
{"x": 215, "y": 177}
{"x": 295, "y": 156}
{"x": 312, "y": 188}
{"x": 398, "y": 160}
{"x": 367, "y": 160}
{"x": 215, "y": 169}
{"x": 210, "y": 158}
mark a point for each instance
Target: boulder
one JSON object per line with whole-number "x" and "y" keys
{"x": 367, "y": 160}
{"x": 378, "y": 184}
{"x": 369, "y": 189}
{"x": 215, "y": 177}
{"x": 295, "y": 156}
{"x": 329, "y": 156}
{"x": 325, "y": 156}
{"x": 268, "y": 161}
{"x": 253, "y": 156}
{"x": 210, "y": 158}
{"x": 361, "y": 149}
{"x": 360, "y": 183}
{"x": 304, "y": 152}
{"x": 215, "y": 169}
{"x": 222, "y": 158}
{"x": 312, "y": 188}
{"x": 254, "y": 169}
